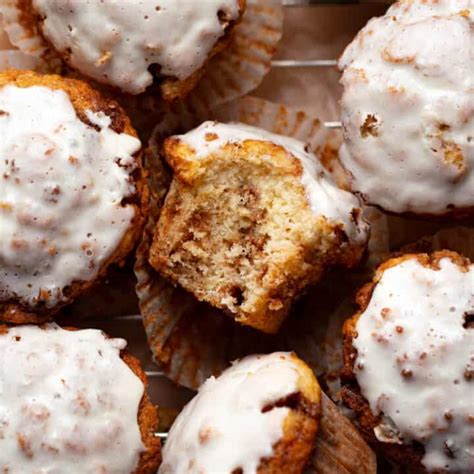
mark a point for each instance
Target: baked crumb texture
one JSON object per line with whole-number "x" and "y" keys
{"x": 260, "y": 415}
{"x": 250, "y": 220}
{"x": 73, "y": 398}
{"x": 130, "y": 45}
{"x": 407, "y": 111}
{"x": 409, "y": 362}
{"x": 72, "y": 194}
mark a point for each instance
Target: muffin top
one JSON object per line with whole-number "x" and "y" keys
{"x": 67, "y": 400}
{"x": 324, "y": 197}
{"x": 65, "y": 178}
{"x": 415, "y": 357}
{"x": 407, "y": 108}
{"x": 235, "y": 420}
{"x": 117, "y": 42}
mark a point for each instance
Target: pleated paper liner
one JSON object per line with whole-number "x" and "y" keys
{"x": 230, "y": 74}
{"x": 15, "y": 59}
{"x": 460, "y": 239}
{"x": 340, "y": 449}
{"x": 404, "y": 231}
{"x": 189, "y": 339}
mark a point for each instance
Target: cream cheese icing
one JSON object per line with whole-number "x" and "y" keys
{"x": 324, "y": 197}
{"x": 116, "y": 42}
{"x": 67, "y": 399}
{"x": 61, "y": 192}
{"x": 224, "y": 427}
{"x": 408, "y": 108}
{"x": 415, "y": 360}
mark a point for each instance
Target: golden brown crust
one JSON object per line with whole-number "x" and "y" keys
{"x": 148, "y": 420}
{"x": 292, "y": 452}
{"x": 409, "y": 455}
{"x": 83, "y": 98}
{"x": 254, "y": 202}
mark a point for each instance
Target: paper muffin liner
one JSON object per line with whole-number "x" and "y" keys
{"x": 230, "y": 74}
{"x": 340, "y": 449}
{"x": 25, "y": 36}
{"x": 404, "y": 230}
{"x": 240, "y": 68}
{"x": 15, "y": 59}
{"x": 459, "y": 239}
{"x": 192, "y": 340}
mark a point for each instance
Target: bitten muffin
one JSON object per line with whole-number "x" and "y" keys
{"x": 129, "y": 45}
{"x": 407, "y": 109}
{"x": 250, "y": 220}
{"x": 73, "y": 398}
{"x": 261, "y": 415}
{"x": 409, "y": 362}
{"x": 71, "y": 192}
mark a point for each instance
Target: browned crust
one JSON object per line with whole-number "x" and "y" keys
{"x": 170, "y": 88}
{"x": 292, "y": 452}
{"x": 82, "y": 97}
{"x": 148, "y": 420}
{"x": 408, "y": 455}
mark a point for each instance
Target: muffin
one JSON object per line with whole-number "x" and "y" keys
{"x": 71, "y": 195}
{"x": 251, "y": 220}
{"x": 131, "y": 45}
{"x": 407, "y": 110}
{"x": 409, "y": 362}
{"x": 261, "y": 415}
{"x": 73, "y": 398}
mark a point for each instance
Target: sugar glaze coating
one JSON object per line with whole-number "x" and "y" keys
{"x": 61, "y": 192}
{"x": 224, "y": 425}
{"x": 115, "y": 42}
{"x": 66, "y": 400}
{"x": 408, "y": 109}
{"x": 415, "y": 360}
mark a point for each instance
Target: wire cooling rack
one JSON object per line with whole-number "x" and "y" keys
{"x": 121, "y": 318}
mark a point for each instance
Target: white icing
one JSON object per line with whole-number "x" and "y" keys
{"x": 67, "y": 400}
{"x": 115, "y": 42}
{"x": 223, "y": 428}
{"x": 415, "y": 360}
{"x": 412, "y": 71}
{"x": 324, "y": 197}
{"x": 62, "y": 184}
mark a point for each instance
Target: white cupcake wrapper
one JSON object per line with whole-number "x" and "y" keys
{"x": 192, "y": 340}
{"x": 14, "y": 59}
{"x": 25, "y": 37}
{"x": 241, "y": 67}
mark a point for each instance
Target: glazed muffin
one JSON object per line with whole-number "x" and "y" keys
{"x": 409, "y": 362}
{"x": 261, "y": 415}
{"x": 407, "y": 110}
{"x": 71, "y": 193}
{"x": 73, "y": 398}
{"x": 130, "y": 45}
{"x": 250, "y": 220}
